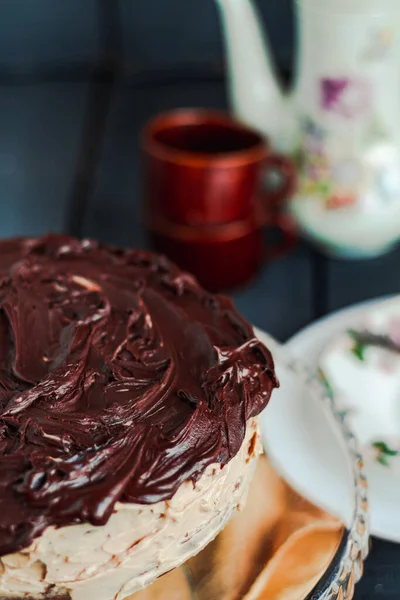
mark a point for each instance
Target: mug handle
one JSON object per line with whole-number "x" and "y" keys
{"x": 274, "y": 217}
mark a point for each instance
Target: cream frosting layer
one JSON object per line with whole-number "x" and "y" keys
{"x": 139, "y": 542}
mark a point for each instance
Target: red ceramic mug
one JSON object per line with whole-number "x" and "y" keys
{"x": 207, "y": 199}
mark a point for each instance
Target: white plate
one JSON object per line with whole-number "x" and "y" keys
{"x": 384, "y": 482}
{"x": 311, "y": 446}
{"x": 304, "y": 440}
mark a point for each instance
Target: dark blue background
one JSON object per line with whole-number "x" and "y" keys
{"x": 43, "y": 43}
{"x": 77, "y": 82}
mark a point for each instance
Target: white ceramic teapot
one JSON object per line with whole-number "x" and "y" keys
{"x": 341, "y": 120}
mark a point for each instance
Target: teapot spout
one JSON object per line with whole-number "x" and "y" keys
{"x": 255, "y": 95}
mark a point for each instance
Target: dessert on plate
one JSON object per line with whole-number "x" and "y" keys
{"x": 129, "y": 399}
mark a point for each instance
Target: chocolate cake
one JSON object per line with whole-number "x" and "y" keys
{"x": 128, "y": 417}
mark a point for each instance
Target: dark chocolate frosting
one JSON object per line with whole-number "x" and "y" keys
{"x": 120, "y": 378}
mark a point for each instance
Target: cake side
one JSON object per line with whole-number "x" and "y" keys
{"x": 139, "y": 542}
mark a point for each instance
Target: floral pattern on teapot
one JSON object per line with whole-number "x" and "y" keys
{"x": 348, "y": 98}
{"x": 362, "y": 173}
{"x": 333, "y": 171}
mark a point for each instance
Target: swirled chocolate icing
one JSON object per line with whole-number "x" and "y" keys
{"x": 120, "y": 378}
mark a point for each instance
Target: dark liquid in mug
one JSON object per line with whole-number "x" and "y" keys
{"x": 207, "y": 139}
